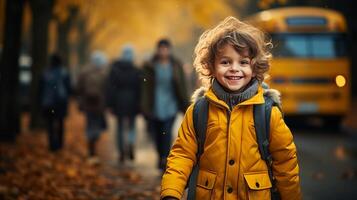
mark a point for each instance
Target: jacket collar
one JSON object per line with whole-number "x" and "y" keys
{"x": 256, "y": 99}
{"x": 263, "y": 90}
{"x": 233, "y": 99}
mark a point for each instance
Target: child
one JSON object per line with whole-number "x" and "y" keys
{"x": 232, "y": 60}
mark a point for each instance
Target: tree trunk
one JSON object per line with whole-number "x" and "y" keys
{"x": 82, "y": 42}
{"x": 85, "y": 39}
{"x": 63, "y": 45}
{"x": 9, "y": 81}
{"x": 41, "y": 15}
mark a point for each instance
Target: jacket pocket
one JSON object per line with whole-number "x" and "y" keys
{"x": 205, "y": 184}
{"x": 258, "y": 185}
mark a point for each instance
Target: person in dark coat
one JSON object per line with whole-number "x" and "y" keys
{"x": 55, "y": 89}
{"x": 123, "y": 100}
{"x": 91, "y": 98}
{"x": 164, "y": 95}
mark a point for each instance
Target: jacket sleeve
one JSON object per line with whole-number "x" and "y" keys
{"x": 285, "y": 163}
{"x": 138, "y": 89}
{"x": 181, "y": 159}
{"x": 68, "y": 84}
{"x": 109, "y": 89}
{"x": 181, "y": 87}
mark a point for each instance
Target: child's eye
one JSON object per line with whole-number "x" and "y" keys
{"x": 225, "y": 62}
{"x": 244, "y": 62}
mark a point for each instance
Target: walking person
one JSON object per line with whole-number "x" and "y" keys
{"x": 227, "y": 159}
{"x": 55, "y": 89}
{"x": 164, "y": 95}
{"x": 91, "y": 99}
{"x": 123, "y": 98}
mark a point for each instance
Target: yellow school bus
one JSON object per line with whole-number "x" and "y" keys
{"x": 310, "y": 66}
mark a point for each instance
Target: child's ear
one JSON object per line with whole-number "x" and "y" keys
{"x": 254, "y": 73}
{"x": 213, "y": 70}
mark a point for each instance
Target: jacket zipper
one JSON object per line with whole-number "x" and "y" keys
{"x": 228, "y": 113}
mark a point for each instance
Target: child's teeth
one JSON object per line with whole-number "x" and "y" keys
{"x": 234, "y": 78}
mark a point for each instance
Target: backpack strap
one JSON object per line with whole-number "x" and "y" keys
{"x": 262, "y": 114}
{"x": 200, "y": 115}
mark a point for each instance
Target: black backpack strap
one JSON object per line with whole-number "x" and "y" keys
{"x": 262, "y": 114}
{"x": 200, "y": 115}
{"x": 269, "y": 103}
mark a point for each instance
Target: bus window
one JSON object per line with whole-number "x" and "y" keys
{"x": 322, "y": 47}
{"x": 295, "y": 46}
{"x": 309, "y": 45}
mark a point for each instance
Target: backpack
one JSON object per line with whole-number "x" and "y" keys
{"x": 54, "y": 88}
{"x": 94, "y": 83}
{"x": 261, "y": 113}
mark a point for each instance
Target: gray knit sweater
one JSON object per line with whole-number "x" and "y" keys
{"x": 232, "y": 98}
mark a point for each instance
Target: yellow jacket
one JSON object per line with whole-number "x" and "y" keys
{"x": 231, "y": 166}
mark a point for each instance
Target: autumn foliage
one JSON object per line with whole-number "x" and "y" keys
{"x": 29, "y": 171}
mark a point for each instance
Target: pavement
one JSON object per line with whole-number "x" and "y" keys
{"x": 145, "y": 154}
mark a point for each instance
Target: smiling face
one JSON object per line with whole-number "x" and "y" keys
{"x": 232, "y": 69}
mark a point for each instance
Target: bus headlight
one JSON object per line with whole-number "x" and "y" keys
{"x": 340, "y": 81}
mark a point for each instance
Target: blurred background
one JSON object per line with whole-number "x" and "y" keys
{"x": 314, "y": 65}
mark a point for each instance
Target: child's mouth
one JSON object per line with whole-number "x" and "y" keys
{"x": 234, "y": 77}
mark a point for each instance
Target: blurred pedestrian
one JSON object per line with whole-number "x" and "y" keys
{"x": 123, "y": 98}
{"x": 55, "y": 89}
{"x": 164, "y": 95}
{"x": 91, "y": 98}
{"x": 232, "y": 158}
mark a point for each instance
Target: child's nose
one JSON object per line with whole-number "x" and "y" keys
{"x": 235, "y": 66}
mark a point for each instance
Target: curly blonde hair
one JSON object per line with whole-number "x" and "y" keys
{"x": 243, "y": 37}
